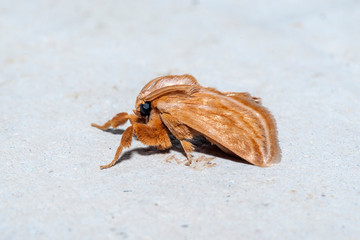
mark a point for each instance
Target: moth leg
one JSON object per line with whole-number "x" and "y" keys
{"x": 125, "y": 142}
{"x": 181, "y": 132}
{"x": 119, "y": 119}
{"x": 188, "y": 148}
{"x": 243, "y": 95}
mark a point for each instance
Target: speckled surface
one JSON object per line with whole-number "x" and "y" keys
{"x": 65, "y": 64}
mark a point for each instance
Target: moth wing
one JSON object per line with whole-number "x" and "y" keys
{"x": 235, "y": 124}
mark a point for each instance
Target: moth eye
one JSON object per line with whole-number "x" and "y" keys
{"x": 145, "y": 109}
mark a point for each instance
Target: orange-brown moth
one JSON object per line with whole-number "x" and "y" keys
{"x": 234, "y": 121}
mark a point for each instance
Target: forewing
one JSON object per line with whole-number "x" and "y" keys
{"x": 239, "y": 125}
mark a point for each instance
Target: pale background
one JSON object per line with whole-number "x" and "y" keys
{"x": 65, "y": 64}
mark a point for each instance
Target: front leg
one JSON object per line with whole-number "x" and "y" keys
{"x": 119, "y": 119}
{"x": 126, "y": 140}
{"x": 153, "y": 133}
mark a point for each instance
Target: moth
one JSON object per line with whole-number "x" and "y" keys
{"x": 236, "y": 122}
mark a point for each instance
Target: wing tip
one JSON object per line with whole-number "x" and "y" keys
{"x": 270, "y": 161}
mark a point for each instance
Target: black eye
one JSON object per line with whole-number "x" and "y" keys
{"x": 145, "y": 109}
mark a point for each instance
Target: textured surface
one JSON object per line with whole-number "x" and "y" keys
{"x": 65, "y": 64}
